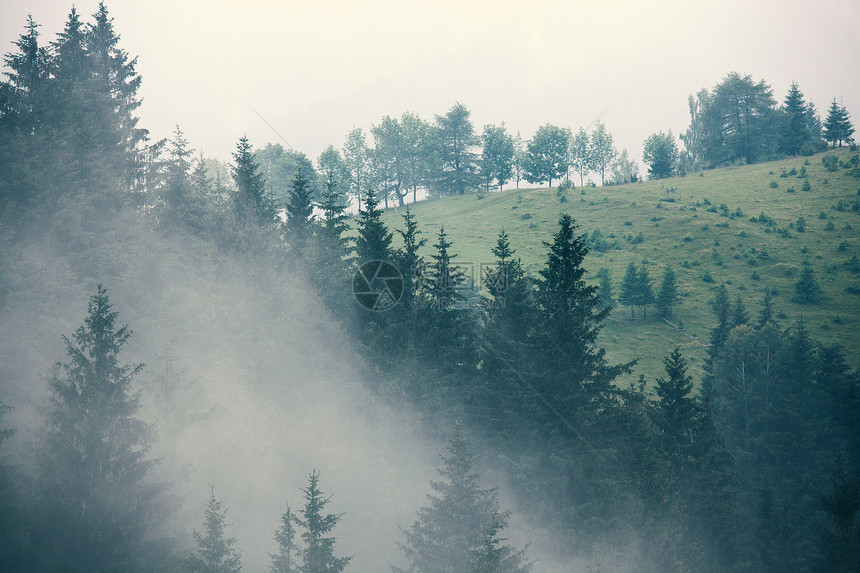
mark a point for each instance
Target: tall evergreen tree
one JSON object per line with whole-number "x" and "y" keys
{"x": 668, "y": 296}
{"x": 215, "y": 553}
{"x": 409, "y": 261}
{"x": 318, "y": 552}
{"x": 645, "y": 290}
{"x": 458, "y": 531}
{"x": 373, "y": 242}
{"x": 457, "y": 141}
{"x": 92, "y": 461}
{"x": 629, "y": 294}
{"x": 837, "y": 126}
{"x": 795, "y": 132}
{"x": 287, "y": 558}
{"x": 300, "y": 208}
{"x": 605, "y": 292}
{"x": 252, "y": 202}
{"x": 839, "y": 544}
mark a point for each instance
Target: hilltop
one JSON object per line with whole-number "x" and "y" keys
{"x": 708, "y": 226}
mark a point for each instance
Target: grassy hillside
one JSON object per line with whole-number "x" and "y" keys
{"x": 708, "y": 226}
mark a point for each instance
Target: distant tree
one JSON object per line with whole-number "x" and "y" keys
{"x": 300, "y": 207}
{"x": 459, "y": 530}
{"x": 373, "y": 240}
{"x": 766, "y": 315}
{"x": 602, "y": 151}
{"x": 660, "y": 154}
{"x": 251, "y": 201}
{"x": 92, "y": 458}
{"x": 838, "y": 127}
{"x": 457, "y": 140}
{"x": 624, "y": 170}
{"x": 410, "y": 262}
{"x": 389, "y": 159}
{"x": 519, "y": 159}
{"x": 278, "y": 167}
{"x": 497, "y": 156}
{"x": 331, "y": 167}
{"x": 645, "y": 290}
{"x": 178, "y": 185}
{"x": 334, "y": 224}
{"x": 446, "y": 279}
{"x": 807, "y": 288}
{"x": 215, "y": 553}
{"x": 580, "y": 154}
{"x": 604, "y": 292}
{"x": 287, "y": 558}
{"x": 629, "y": 295}
{"x": 546, "y": 154}
{"x": 12, "y": 518}
{"x": 355, "y": 157}
{"x": 318, "y": 552}
{"x": 795, "y": 131}
{"x": 668, "y": 296}
{"x": 419, "y": 150}
{"x": 739, "y": 313}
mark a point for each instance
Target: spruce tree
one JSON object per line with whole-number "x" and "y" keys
{"x": 807, "y": 288}
{"x": 837, "y": 126}
{"x": 645, "y": 290}
{"x": 287, "y": 558}
{"x": 604, "y": 292}
{"x": 92, "y": 457}
{"x": 300, "y": 209}
{"x": 668, "y": 296}
{"x": 839, "y": 544}
{"x": 629, "y": 294}
{"x": 318, "y": 552}
{"x": 795, "y": 130}
{"x": 459, "y": 530}
{"x": 373, "y": 242}
{"x": 215, "y": 552}
{"x": 251, "y": 202}
{"x": 408, "y": 259}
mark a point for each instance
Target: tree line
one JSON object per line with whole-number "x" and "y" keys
{"x": 756, "y": 472}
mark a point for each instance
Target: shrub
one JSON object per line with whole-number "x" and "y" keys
{"x": 707, "y": 277}
{"x": 831, "y": 162}
{"x": 829, "y": 226}
{"x": 806, "y": 186}
{"x": 774, "y": 185}
{"x": 790, "y": 190}
{"x": 800, "y": 226}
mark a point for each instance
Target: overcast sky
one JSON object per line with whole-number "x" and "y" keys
{"x": 317, "y": 68}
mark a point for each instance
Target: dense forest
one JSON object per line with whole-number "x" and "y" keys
{"x": 144, "y": 291}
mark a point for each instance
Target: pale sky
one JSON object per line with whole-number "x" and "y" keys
{"x": 317, "y": 68}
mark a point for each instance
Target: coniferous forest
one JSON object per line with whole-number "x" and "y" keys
{"x": 191, "y": 353}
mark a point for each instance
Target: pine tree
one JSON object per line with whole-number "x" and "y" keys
{"x": 318, "y": 553}
{"x": 251, "y": 202}
{"x": 630, "y": 288}
{"x": 838, "y": 127}
{"x": 300, "y": 213}
{"x": 739, "y": 313}
{"x": 668, "y": 296}
{"x": 645, "y": 291}
{"x": 765, "y": 316}
{"x": 458, "y": 531}
{"x": 446, "y": 281}
{"x": 215, "y": 552}
{"x": 677, "y": 405}
{"x": 795, "y": 129}
{"x": 409, "y": 261}
{"x": 373, "y": 242}
{"x": 286, "y": 560}
{"x": 92, "y": 460}
{"x": 604, "y": 292}
{"x": 807, "y": 288}
{"x": 840, "y": 539}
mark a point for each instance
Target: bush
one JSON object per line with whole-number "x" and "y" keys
{"x": 829, "y": 226}
{"x": 774, "y": 185}
{"x": 707, "y": 277}
{"x": 831, "y": 162}
{"x": 806, "y": 186}
{"x": 800, "y": 226}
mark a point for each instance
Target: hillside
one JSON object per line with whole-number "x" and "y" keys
{"x": 705, "y": 225}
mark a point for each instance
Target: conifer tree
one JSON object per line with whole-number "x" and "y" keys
{"x": 287, "y": 558}
{"x": 839, "y": 544}
{"x": 300, "y": 212}
{"x": 459, "y": 530}
{"x": 807, "y": 288}
{"x": 373, "y": 242}
{"x": 215, "y": 553}
{"x": 409, "y": 261}
{"x": 739, "y": 313}
{"x": 605, "y": 292}
{"x": 92, "y": 459}
{"x": 645, "y": 290}
{"x": 629, "y": 294}
{"x": 318, "y": 552}
{"x": 837, "y": 126}
{"x": 252, "y": 202}
{"x": 668, "y": 296}
{"x": 795, "y": 129}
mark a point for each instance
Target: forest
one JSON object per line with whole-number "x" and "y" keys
{"x": 179, "y": 337}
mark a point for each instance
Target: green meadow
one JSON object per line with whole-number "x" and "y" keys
{"x": 751, "y": 228}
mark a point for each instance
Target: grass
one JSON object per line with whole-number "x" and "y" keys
{"x": 706, "y": 225}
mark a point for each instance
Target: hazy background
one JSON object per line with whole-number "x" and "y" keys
{"x": 316, "y": 69}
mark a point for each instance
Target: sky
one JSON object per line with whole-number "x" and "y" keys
{"x": 305, "y": 73}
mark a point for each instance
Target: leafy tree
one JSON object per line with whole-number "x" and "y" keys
{"x": 668, "y": 296}
{"x": 546, "y": 154}
{"x": 519, "y": 159}
{"x": 807, "y": 288}
{"x": 278, "y": 167}
{"x": 389, "y": 157}
{"x": 497, "y": 156}
{"x": 580, "y": 154}
{"x": 298, "y": 226}
{"x": 331, "y": 168}
{"x": 251, "y": 202}
{"x": 286, "y": 560}
{"x": 456, "y": 147}
{"x": 318, "y": 552}
{"x": 373, "y": 242}
{"x": 215, "y": 552}
{"x": 419, "y": 149}
{"x": 92, "y": 458}
{"x": 355, "y": 157}
{"x": 660, "y": 154}
{"x": 837, "y": 126}
{"x": 458, "y": 531}
{"x": 624, "y": 170}
{"x": 601, "y": 150}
